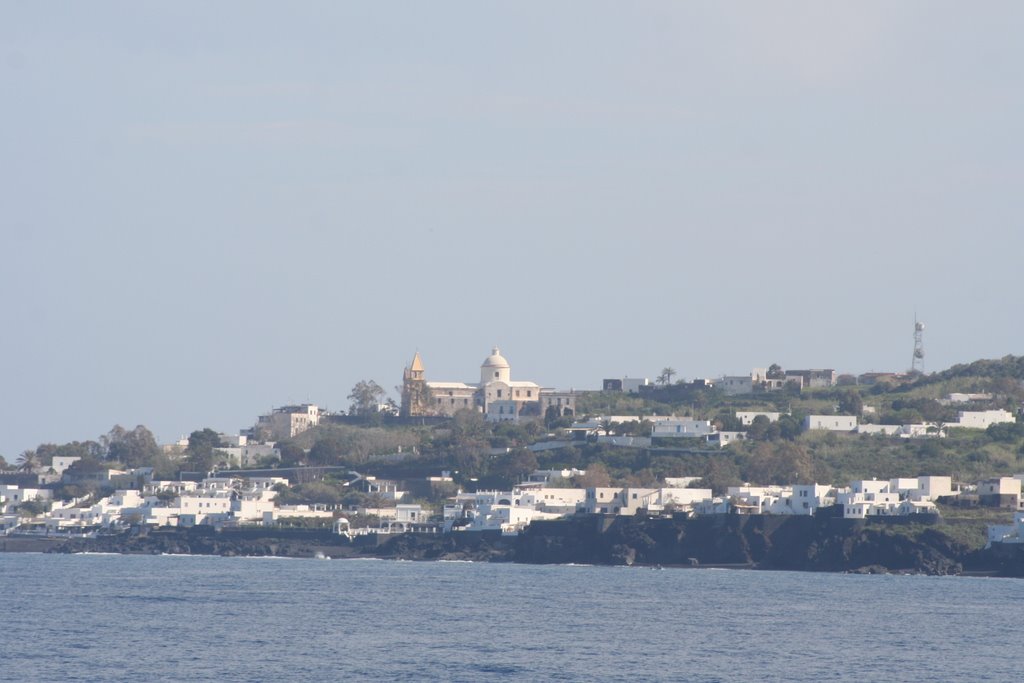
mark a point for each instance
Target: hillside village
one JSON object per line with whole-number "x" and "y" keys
{"x": 499, "y": 454}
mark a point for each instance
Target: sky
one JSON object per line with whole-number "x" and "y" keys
{"x": 211, "y": 209}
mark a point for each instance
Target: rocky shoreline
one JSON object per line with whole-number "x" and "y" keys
{"x": 737, "y": 541}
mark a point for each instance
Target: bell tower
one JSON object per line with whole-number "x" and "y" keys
{"x": 414, "y": 389}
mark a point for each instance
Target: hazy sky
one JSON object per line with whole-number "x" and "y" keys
{"x": 210, "y": 209}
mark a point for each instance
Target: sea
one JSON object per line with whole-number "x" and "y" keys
{"x": 200, "y": 618}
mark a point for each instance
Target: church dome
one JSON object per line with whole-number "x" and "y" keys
{"x": 495, "y": 360}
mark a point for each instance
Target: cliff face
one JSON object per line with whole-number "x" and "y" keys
{"x": 764, "y": 542}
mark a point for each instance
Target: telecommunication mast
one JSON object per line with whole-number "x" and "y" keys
{"x": 917, "y": 363}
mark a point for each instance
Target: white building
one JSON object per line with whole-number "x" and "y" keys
{"x": 982, "y": 419}
{"x": 835, "y": 423}
{"x": 879, "y": 430}
{"x": 723, "y": 439}
{"x": 807, "y": 498}
{"x": 798, "y": 499}
{"x": 286, "y": 422}
{"x": 506, "y": 511}
{"x": 932, "y": 488}
{"x": 11, "y": 496}
{"x": 62, "y": 462}
{"x": 898, "y": 497}
{"x": 747, "y": 417}
{"x": 628, "y": 501}
{"x": 250, "y": 455}
{"x": 965, "y": 398}
{"x": 1007, "y": 533}
{"x": 680, "y": 428}
{"x": 558, "y": 501}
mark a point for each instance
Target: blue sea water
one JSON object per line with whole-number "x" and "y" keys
{"x": 189, "y": 618}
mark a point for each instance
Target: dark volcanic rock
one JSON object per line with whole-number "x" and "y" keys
{"x": 801, "y": 543}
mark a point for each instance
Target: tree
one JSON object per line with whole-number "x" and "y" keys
{"x": 28, "y": 461}
{"x": 31, "y": 508}
{"x": 596, "y": 476}
{"x": 469, "y": 443}
{"x": 789, "y": 427}
{"x": 850, "y": 403}
{"x": 665, "y": 378}
{"x": 366, "y": 397}
{"x": 201, "y": 444}
{"x": 329, "y": 450}
{"x": 137, "y": 448}
{"x": 291, "y": 453}
{"x": 775, "y": 371}
{"x": 515, "y": 465}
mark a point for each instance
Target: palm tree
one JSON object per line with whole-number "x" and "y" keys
{"x": 28, "y": 461}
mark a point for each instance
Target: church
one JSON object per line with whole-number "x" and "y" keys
{"x": 497, "y": 396}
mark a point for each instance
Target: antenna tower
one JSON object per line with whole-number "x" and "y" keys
{"x": 917, "y": 362}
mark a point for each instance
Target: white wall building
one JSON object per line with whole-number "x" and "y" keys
{"x": 1007, "y": 533}
{"x": 628, "y": 501}
{"x": 747, "y": 417}
{"x": 723, "y": 439}
{"x": 835, "y": 423}
{"x": 982, "y": 419}
{"x": 11, "y": 496}
{"x": 682, "y": 428}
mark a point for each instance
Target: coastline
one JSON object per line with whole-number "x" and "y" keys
{"x": 726, "y": 542}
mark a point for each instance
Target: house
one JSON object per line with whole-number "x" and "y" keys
{"x": 680, "y": 428}
{"x": 1010, "y": 534}
{"x": 250, "y": 454}
{"x": 964, "y": 398}
{"x": 559, "y": 501}
{"x": 285, "y": 422}
{"x": 11, "y": 496}
{"x": 545, "y": 477}
{"x": 798, "y": 499}
{"x": 277, "y": 514}
{"x": 834, "y": 423}
{"x": 896, "y": 497}
{"x": 627, "y": 385}
{"x": 807, "y": 498}
{"x": 880, "y": 430}
{"x": 931, "y": 488}
{"x": 746, "y": 418}
{"x": 506, "y": 511}
{"x": 814, "y": 379}
{"x": 628, "y": 501}
{"x": 723, "y": 439}
{"x": 61, "y": 462}
{"x": 1003, "y": 492}
{"x": 735, "y": 385}
{"x": 982, "y": 419}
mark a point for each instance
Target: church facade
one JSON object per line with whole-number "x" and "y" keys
{"x": 497, "y": 395}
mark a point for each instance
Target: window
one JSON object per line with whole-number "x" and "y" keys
{"x": 529, "y": 393}
{"x": 499, "y": 393}
{"x": 496, "y": 374}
